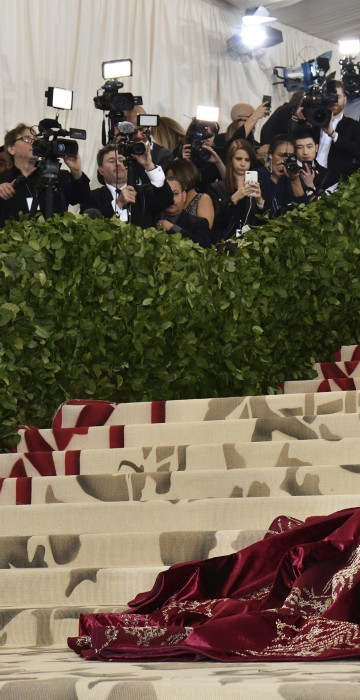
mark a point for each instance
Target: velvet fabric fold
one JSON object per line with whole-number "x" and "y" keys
{"x": 291, "y": 596}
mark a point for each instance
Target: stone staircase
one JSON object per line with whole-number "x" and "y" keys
{"x": 93, "y": 508}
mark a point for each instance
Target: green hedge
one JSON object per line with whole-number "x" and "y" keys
{"x": 99, "y": 309}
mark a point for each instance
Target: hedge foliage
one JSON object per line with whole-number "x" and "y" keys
{"x": 99, "y": 309}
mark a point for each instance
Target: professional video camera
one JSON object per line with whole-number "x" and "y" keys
{"x": 50, "y": 146}
{"x": 115, "y": 103}
{"x": 350, "y": 78}
{"x": 113, "y": 100}
{"x": 317, "y": 102}
{"x": 197, "y": 133}
{"x": 303, "y": 76}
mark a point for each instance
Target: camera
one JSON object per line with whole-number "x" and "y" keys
{"x": 115, "y": 102}
{"x": 197, "y": 133}
{"x": 127, "y": 146}
{"x": 291, "y": 164}
{"x": 50, "y": 145}
{"x": 317, "y": 102}
{"x": 350, "y": 78}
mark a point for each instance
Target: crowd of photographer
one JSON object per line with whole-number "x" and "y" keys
{"x": 209, "y": 186}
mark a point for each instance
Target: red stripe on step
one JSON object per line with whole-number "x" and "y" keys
{"x": 43, "y": 462}
{"x": 18, "y": 469}
{"x": 116, "y": 436}
{"x": 332, "y": 371}
{"x": 347, "y": 384}
{"x": 324, "y": 386}
{"x": 94, "y": 414}
{"x": 158, "y": 411}
{"x": 72, "y": 462}
{"x": 23, "y": 491}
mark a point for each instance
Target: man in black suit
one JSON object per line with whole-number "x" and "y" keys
{"x": 136, "y": 204}
{"x": 175, "y": 220}
{"x": 339, "y": 143}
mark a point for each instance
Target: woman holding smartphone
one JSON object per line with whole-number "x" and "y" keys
{"x": 238, "y": 200}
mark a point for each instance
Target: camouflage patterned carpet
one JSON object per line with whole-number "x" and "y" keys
{"x": 95, "y": 506}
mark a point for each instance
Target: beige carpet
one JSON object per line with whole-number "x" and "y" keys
{"x": 89, "y": 520}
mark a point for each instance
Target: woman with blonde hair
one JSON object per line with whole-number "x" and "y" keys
{"x": 168, "y": 133}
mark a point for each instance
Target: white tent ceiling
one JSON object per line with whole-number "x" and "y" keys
{"x": 329, "y": 20}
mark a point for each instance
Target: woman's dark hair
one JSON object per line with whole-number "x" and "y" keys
{"x": 186, "y": 171}
{"x": 239, "y": 144}
{"x": 199, "y": 125}
{"x": 278, "y": 140}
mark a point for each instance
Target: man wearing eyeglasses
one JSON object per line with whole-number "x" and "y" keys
{"x": 20, "y": 187}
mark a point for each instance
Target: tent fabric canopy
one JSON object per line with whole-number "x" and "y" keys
{"x": 179, "y": 53}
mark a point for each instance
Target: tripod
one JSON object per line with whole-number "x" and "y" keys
{"x": 49, "y": 186}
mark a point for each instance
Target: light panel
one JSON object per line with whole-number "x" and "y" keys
{"x": 119, "y": 68}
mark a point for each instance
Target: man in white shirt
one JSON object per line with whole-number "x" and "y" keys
{"x": 136, "y": 204}
{"x": 339, "y": 142}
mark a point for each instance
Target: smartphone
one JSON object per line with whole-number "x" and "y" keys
{"x": 251, "y": 176}
{"x": 267, "y": 100}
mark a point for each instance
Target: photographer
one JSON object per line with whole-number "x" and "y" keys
{"x": 199, "y": 146}
{"x": 339, "y": 141}
{"x": 160, "y": 155}
{"x": 312, "y": 175}
{"x": 136, "y": 204}
{"x": 21, "y": 187}
{"x": 280, "y": 179}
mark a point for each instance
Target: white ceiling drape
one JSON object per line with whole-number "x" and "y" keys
{"x": 179, "y": 54}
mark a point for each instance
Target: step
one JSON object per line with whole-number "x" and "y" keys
{"x": 347, "y": 352}
{"x": 58, "y": 674}
{"x": 171, "y": 486}
{"x": 330, "y": 427}
{"x": 337, "y": 370}
{"x": 160, "y": 516}
{"x": 91, "y": 413}
{"x": 88, "y": 586}
{"x": 170, "y": 458}
{"x": 42, "y": 626}
{"x": 131, "y": 549}
{"x": 320, "y": 385}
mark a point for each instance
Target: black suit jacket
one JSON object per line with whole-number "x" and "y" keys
{"x": 344, "y": 155}
{"x": 194, "y": 227}
{"x": 150, "y": 201}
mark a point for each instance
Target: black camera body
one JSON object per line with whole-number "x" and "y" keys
{"x": 291, "y": 164}
{"x": 317, "y": 103}
{"x": 49, "y": 144}
{"x": 350, "y": 78}
{"x": 198, "y": 132}
{"x": 128, "y": 147}
{"x": 111, "y": 100}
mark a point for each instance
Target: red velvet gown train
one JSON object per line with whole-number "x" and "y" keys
{"x": 295, "y": 595}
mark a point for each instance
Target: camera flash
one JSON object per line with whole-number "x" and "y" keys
{"x": 349, "y": 47}
{"x": 59, "y": 98}
{"x": 207, "y": 114}
{"x": 121, "y": 68}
